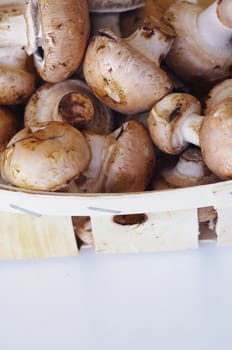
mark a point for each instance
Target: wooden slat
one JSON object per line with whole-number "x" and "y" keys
{"x": 166, "y": 231}
{"x": 25, "y": 237}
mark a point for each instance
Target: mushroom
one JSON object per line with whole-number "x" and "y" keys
{"x": 83, "y": 230}
{"x": 190, "y": 170}
{"x": 47, "y": 158}
{"x": 8, "y": 126}
{"x": 58, "y": 32}
{"x": 218, "y": 93}
{"x": 17, "y": 81}
{"x": 216, "y": 139}
{"x": 122, "y": 161}
{"x": 131, "y": 20}
{"x": 70, "y": 101}
{"x": 202, "y": 52}
{"x": 54, "y": 32}
{"x": 125, "y": 73}
{"x": 106, "y": 14}
{"x": 174, "y": 122}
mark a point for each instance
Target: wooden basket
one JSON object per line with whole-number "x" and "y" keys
{"x": 35, "y": 225}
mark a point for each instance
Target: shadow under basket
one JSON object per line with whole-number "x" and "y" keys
{"x": 39, "y": 224}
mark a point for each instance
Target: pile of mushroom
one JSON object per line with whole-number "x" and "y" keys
{"x": 92, "y": 100}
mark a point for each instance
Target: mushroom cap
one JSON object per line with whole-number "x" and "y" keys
{"x": 216, "y": 139}
{"x": 166, "y": 117}
{"x": 44, "y": 105}
{"x": 121, "y": 76}
{"x": 190, "y": 57}
{"x": 114, "y": 5}
{"x": 16, "y": 85}
{"x": 122, "y": 161}
{"x": 128, "y": 159}
{"x": 223, "y": 13}
{"x": 8, "y": 126}
{"x": 46, "y": 159}
{"x": 65, "y": 31}
{"x": 218, "y": 93}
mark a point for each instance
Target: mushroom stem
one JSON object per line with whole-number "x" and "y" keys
{"x": 189, "y": 129}
{"x": 190, "y": 165}
{"x": 12, "y": 26}
{"x": 215, "y": 24}
{"x": 153, "y": 39}
{"x": 76, "y": 108}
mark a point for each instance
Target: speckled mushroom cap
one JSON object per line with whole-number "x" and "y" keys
{"x": 51, "y": 102}
{"x": 46, "y": 159}
{"x": 114, "y": 5}
{"x": 58, "y": 38}
{"x": 121, "y": 76}
{"x": 216, "y": 139}
{"x": 191, "y": 57}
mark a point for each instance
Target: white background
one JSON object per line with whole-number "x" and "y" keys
{"x": 177, "y": 300}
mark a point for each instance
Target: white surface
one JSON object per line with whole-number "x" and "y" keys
{"x": 179, "y": 300}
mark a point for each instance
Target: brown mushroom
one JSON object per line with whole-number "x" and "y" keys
{"x": 54, "y": 32}
{"x": 216, "y": 139}
{"x": 174, "y": 122}
{"x": 122, "y": 161}
{"x": 8, "y": 126}
{"x": 202, "y": 52}
{"x": 190, "y": 170}
{"x": 83, "y": 230}
{"x": 70, "y": 101}
{"x": 131, "y": 20}
{"x": 125, "y": 73}
{"x": 57, "y": 33}
{"x": 17, "y": 81}
{"x": 106, "y": 14}
{"x": 47, "y": 158}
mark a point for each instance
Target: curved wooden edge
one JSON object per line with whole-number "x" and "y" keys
{"x": 14, "y": 199}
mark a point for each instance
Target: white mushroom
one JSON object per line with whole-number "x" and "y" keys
{"x": 47, "y": 158}
{"x": 71, "y": 101}
{"x": 125, "y": 73}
